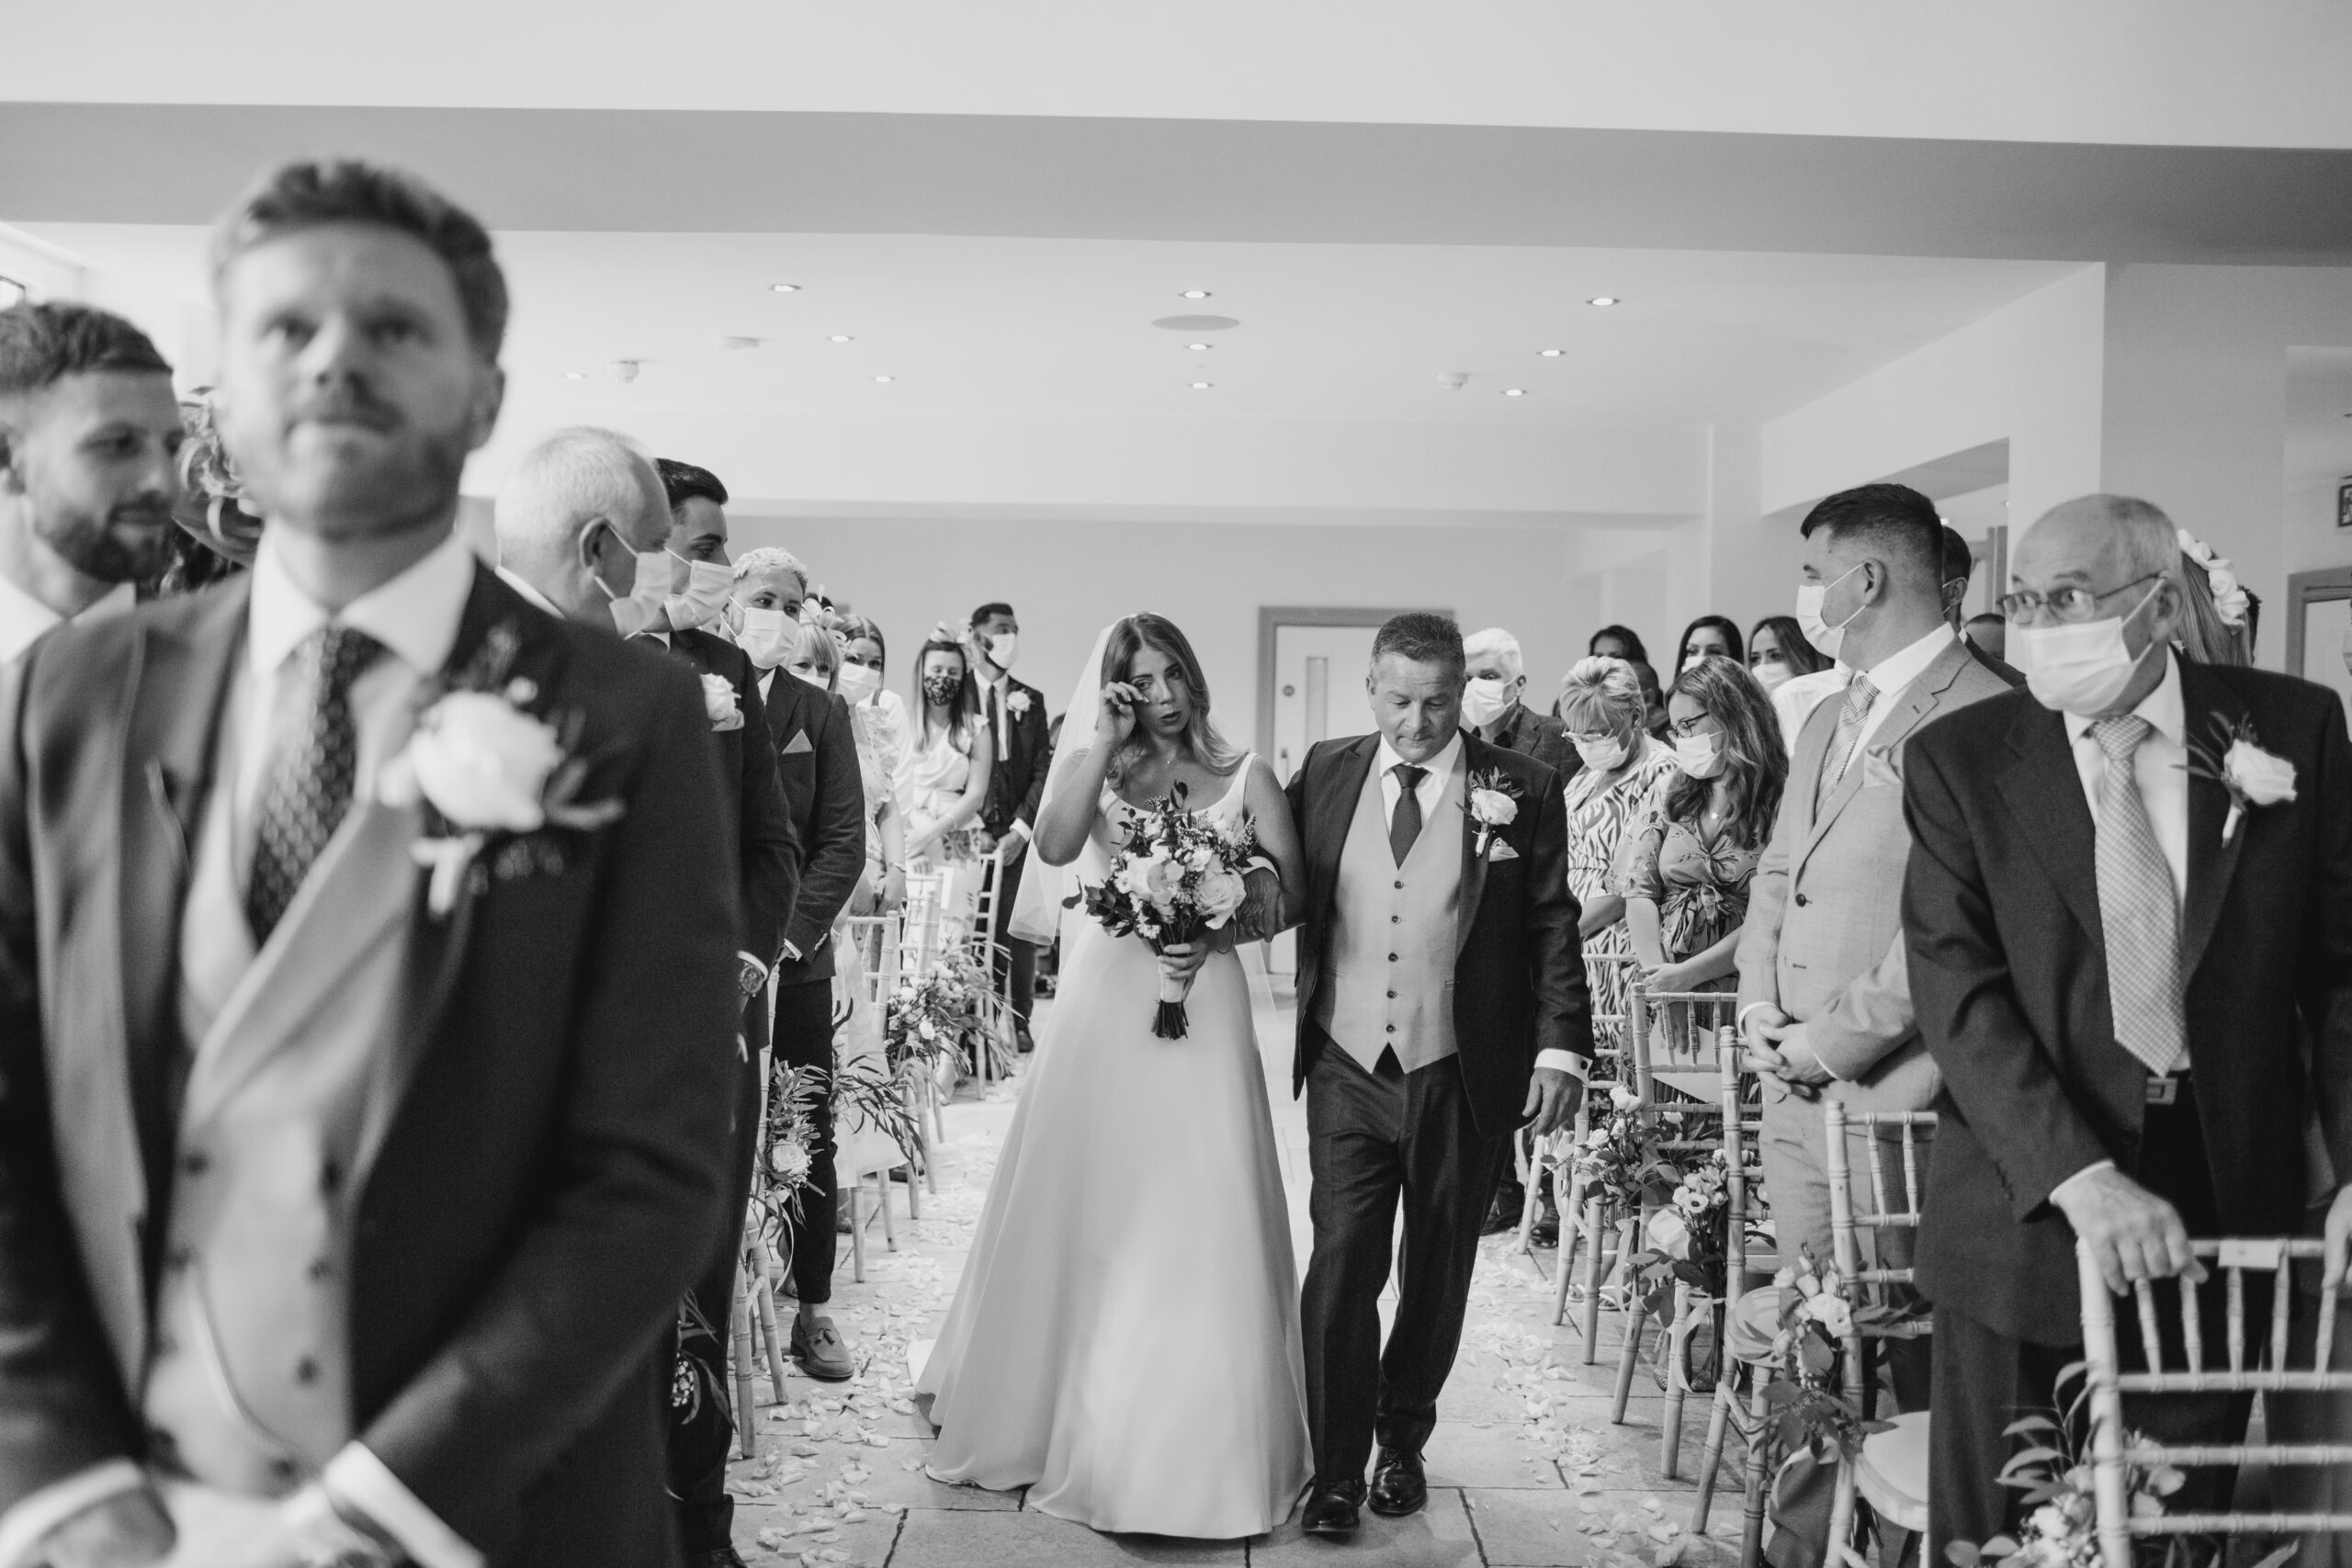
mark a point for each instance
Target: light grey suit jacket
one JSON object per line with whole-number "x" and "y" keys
{"x": 1824, "y": 936}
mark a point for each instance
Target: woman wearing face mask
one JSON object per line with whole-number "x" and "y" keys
{"x": 943, "y": 781}
{"x": 1603, "y": 705}
{"x": 1715, "y": 636}
{"x": 1684, "y": 869}
{"x": 1778, "y": 653}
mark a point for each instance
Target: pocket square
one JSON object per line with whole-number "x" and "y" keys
{"x": 1500, "y": 851}
{"x": 1877, "y": 770}
{"x": 733, "y": 721}
{"x": 799, "y": 745}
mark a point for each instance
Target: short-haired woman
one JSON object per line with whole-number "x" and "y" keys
{"x": 1605, "y": 712}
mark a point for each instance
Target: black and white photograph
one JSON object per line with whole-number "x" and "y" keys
{"x": 1063, "y": 784}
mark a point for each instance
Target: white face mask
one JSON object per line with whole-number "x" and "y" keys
{"x": 1484, "y": 700}
{"x": 2081, "y": 668}
{"x": 1603, "y": 756}
{"x": 708, "y": 585}
{"x": 1772, "y": 675}
{"x": 1701, "y": 756}
{"x": 859, "y": 683}
{"x": 1004, "y": 649}
{"x": 647, "y": 601}
{"x": 770, "y": 637}
{"x": 1822, "y": 635}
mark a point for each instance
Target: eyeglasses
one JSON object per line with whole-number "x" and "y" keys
{"x": 2065, "y": 604}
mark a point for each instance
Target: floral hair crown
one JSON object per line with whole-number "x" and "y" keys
{"x": 2229, "y": 597}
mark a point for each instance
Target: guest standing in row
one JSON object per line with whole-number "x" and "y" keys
{"x": 1623, "y": 768}
{"x": 1494, "y": 706}
{"x": 1015, "y": 716}
{"x": 1778, "y": 653}
{"x": 944, "y": 782}
{"x": 1709, "y": 637}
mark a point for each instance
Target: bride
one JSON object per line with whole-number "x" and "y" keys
{"x": 1126, "y": 1340}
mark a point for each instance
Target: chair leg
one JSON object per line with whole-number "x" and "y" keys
{"x": 1531, "y": 1204}
{"x": 856, "y": 1233}
{"x": 882, "y": 1197}
{"x": 1594, "y": 1235}
{"x": 1711, "y": 1458}
{"x": 764, "y": 1293}
{"x": 1841, "y": 1519}
{"x": 747, "y": 1410}
{"x": 1636, "y": 1319}
{"x": 1564, "y": 1266}
{"x": 914, "y": 1192}
{"x": 1759, "y": 1453}
{"x": 1677, "y": 1345}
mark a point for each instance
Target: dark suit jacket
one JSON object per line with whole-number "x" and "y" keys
{"x": 548, "y": 1181}
{"x": 2009, "y": 673}
{"x": 1017, "y": 782}
{"x": 765, "y": 845}
{"x": 824, "y": 796}
{"x": 2008, "y": 977}
{"x": 1518, "y": 970}
{"x": 1541, "y": 736}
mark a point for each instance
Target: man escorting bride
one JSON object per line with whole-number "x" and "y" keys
{"x": 1126, "y": 1339}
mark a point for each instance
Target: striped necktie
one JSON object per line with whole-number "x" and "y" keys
{"x": 2138, "y": 907}
{"x": 1859, "y": 694}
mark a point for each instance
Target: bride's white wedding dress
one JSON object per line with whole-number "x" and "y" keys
{"x": 1125, "y": 1341}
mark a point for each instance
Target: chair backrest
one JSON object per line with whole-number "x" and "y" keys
{"x": 2250, "y": 1368}
{"x": 1609, "y": 1026}
{"x": 1673, "y": 1036}
{"x": 920, "y": 924}
{"x": 876, "y": 940}
{"x": 1742, "y": 1107}
{"x": 1884, "y": 1213}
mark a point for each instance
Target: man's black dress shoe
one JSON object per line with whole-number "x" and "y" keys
{"x": 722, "y": 1557}
{"x": 1332, "y": 1507}
{"x": 1397, "y": 1485}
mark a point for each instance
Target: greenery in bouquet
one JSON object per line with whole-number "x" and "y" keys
{"x": 1175, "y": 879}
{"x": 865, "y": 1089}
{"x": 1807, "y": 1410}
{"x": 1688, "y": 1238}
{"x": 788, "y": 1149}
{"x": 927, "y": 1018}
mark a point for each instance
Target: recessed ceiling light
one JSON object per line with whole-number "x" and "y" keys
{"x": 886, "y": 377}
{"x": 1514, "y": 391}
{"x": 1196, "y": 294}
{"x": 1200, "y": 348}
{"x": 575, "y": 375}
{"x": 1203, "y": 386}
{"x": 739, "y": 344}
{"x": 1551, "y": 353}
{"x": 1603, "y": 300}
{"x": 785, "y": 287}
{"x": 841, "y": 337}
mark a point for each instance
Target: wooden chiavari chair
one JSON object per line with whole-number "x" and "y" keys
{"x": 2113, "y": 1452}
{"x": 1891, "y": 1473}
{"x": 1751, "y": 1318}
{"x": 1557, "y": 1155}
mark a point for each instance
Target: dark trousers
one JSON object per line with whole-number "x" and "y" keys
{"x": 804, "y": 1038}
{"x": 701, "y": 1432}
{"x": 1984, "y": 1378}
{"x": 1016, "y": 968}
{"x": 1375, "y": 1141}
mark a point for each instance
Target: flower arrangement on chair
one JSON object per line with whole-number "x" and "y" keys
{"x": 928, "y": 1020}
{"x": 1687, "y": 1242}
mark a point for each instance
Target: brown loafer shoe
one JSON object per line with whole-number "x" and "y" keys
{"x": 821, "y": 1354}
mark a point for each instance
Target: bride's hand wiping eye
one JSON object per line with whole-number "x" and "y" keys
{"x": 1117, "y": 720}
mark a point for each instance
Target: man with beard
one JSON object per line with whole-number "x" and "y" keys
{"x": 368, "y": 985}
{"x": 88, "y": 437}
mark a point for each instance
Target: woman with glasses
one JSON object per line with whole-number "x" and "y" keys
{"x": 1604, "y": 711}
{"x": 1684, "y": 870}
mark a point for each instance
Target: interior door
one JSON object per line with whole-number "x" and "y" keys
{"x": 1319, "y": 693}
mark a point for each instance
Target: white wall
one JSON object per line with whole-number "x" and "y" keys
{"x": 1068, "y": 579}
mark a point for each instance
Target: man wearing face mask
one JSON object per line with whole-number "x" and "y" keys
{"x": 1016, "y": 719}
{"x": 817, "y": 759}
{"x": 1823, "y": 997}
{"x": 89, "y": 434}
{"x": 1960, "y": 565}
{"x": 2121, "y": 947}
{"x": 1494, "y": 705}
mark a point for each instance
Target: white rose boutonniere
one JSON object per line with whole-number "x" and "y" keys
{"x": 719, "y": 704}
{"x": 2253, "y": 776}
{"x": 1017, "y": 703}
{"x": 1494, "y": 806}
{"x": 490, "y": 771}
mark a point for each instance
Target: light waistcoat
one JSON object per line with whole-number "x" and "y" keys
{"x": 289, "y": 1094}
{"x": 1389, "y": 978}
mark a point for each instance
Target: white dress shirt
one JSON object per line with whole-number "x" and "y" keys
{"x": 2161, "y": 769}
{"x": 1891, "y": 675}
{"x": 415, "y": 617}
{"x": 1799, "y": 694}
{"x": 24, "y": 618}
{"x": 1428, "y": 792}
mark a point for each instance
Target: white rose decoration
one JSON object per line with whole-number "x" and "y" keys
{"x": 1623, "y": 1099}
{"x": 789, "y": 1161}
{"x": 1493, "y": 808}
{"x": 482, "y": 763}
{"x": 1832, "y": 1313}
{"x": 1162, "y": 880}
{"x": 718, "y": 703}
{"x": 1667, "y": 1232}
{"x": 1220, "y": 895}
{"x": 2264, "y": 779}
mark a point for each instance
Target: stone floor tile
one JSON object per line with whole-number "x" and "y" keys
{"x": 935, "y": 1539}
{"x": 1542, "y": 1529}
{"x": 1498, "y": 1454}
{"x": 869, "y": 1542}
{"x": 1438, "y": 1537}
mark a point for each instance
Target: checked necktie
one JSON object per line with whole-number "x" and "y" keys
{"x": 1859, "y": 694}
{"x": 1405, "y": 825}
{"x": 2139, "y": 908}
{"x": 310, "y": 784}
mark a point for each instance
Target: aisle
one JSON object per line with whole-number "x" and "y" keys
{"x": 1524, "y": 1467}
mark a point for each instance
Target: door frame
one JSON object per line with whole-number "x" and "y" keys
{"x": 2305, "y": 588}
{"x": 1273, "y": 615}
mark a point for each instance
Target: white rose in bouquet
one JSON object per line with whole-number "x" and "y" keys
{"x": 1832, "y": 1313}
{"x": 482, "y": 762}
{"x": 1668, "y": 1233}
{"x": 1220, "y": 893}
{"x": 1163, "y": 880}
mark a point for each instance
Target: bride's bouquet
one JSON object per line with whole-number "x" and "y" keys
{"x": 1177, "y": 879}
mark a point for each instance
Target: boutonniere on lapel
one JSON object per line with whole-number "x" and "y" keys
{"x": 491, "y": 773}
{"x": 1016, "y": 702}
{"x": 2253, "y": 776}
{"x": 718, "y": 703}
{"x": 1494, "y": 806}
